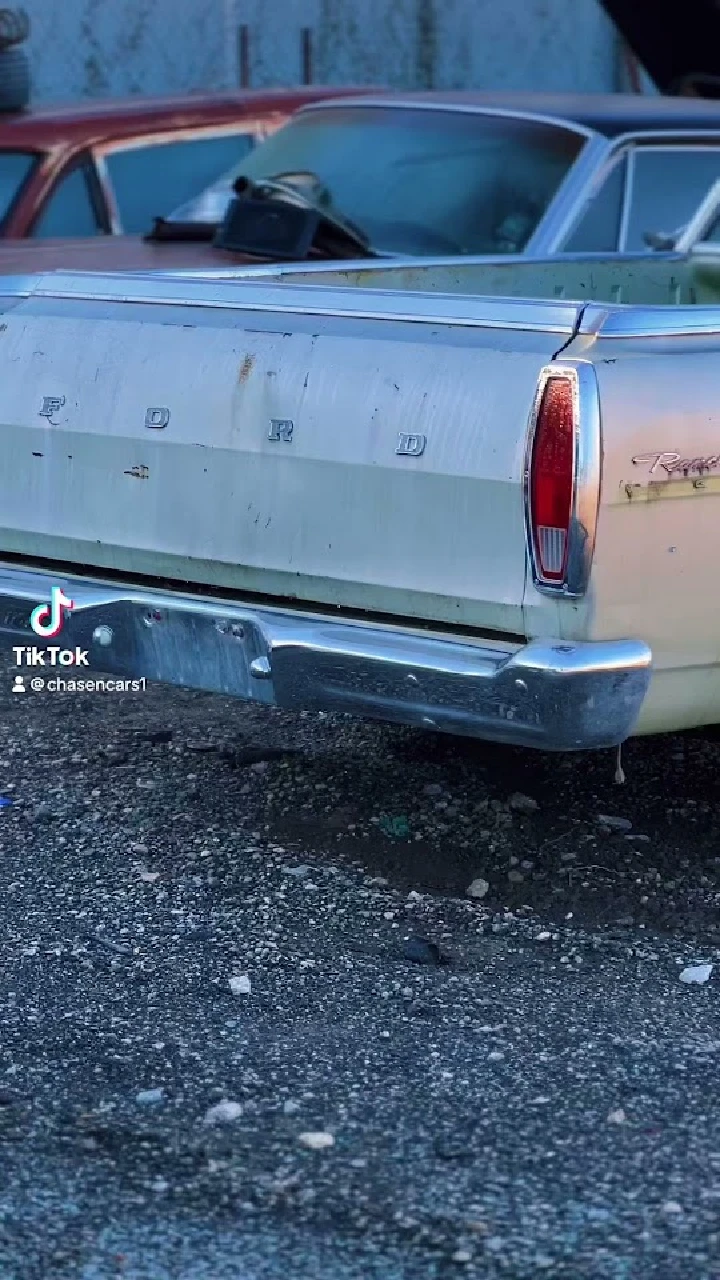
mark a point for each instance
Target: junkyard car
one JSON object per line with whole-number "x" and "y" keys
{"x": 409, "y": 492}
{"x": 99, "y": 168}
{"x": 441, "y": 173}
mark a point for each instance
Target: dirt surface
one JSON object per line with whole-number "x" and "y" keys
{"x": 225, "y": 929}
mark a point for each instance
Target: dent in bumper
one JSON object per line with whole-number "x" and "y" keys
{"x": 547, "y": 694}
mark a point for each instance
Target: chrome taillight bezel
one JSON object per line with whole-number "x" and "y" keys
{"x": 587, "y": 467}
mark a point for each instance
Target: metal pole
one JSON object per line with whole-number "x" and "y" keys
{"x": 306, "y": 55}
{"x": 243, "y": 48}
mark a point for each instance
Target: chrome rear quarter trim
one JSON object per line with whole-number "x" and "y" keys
{"x": 459, "y": 310}
{"x": 649, "y": 322}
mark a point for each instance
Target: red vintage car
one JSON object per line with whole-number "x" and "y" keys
{"x": 109, "y": 168}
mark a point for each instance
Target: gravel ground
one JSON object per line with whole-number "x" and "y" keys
{"x": 252, "y": 1025}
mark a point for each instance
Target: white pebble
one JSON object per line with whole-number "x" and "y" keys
{"x": 478, "y": 888}
{"x": 149, "y": 1097}
{"x": 316, "y": 1140}
{"x": 240, "y": 985}
{"x": 223, "y": 1112}
{"x": 697, "y": 973}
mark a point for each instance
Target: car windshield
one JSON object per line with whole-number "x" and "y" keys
{"x": 15, "y": 167}
{"x": 416, "y": 180}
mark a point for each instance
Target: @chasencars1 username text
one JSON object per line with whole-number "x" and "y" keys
{"x": 62, "y": 684}
{"x": 54, "y": 656}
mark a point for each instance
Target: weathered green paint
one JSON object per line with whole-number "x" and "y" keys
{"x": 643, "y": 281}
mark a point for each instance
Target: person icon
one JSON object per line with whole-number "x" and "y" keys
{"x": 19, "y": 685}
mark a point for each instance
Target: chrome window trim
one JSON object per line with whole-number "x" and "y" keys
{"x": 612, "y": 149}
{"x": 586, "y": 478}
{"x": 629, "y": 157}
{"x": 456, "y": 108}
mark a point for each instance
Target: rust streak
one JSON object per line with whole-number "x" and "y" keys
{"x": 246, "y": 368}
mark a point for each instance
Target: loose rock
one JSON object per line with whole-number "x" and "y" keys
{"x": 240, "y": 985}
{"x": 150, "y": 1097}
{"x": 223, "y": 1112}
{"x": 522, "y": 803}
{"x": 696, "y": 973}
{"x": 615, "y": 824}
{"x": 316, "y": 1140}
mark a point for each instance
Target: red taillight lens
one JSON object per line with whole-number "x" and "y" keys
{"x": 552, "y": 472}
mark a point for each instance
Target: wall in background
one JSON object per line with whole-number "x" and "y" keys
{"x": 105, "y": 48}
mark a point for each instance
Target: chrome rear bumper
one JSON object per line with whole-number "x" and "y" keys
{"x": 553, "y": 695}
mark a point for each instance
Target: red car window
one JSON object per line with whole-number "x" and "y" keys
{"x": 15, "y": 169}
{"x": 150, "y": 180}
{"x": 69, "y": 209}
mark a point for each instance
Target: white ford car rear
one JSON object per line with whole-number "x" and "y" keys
{"x": 320, "y": 496}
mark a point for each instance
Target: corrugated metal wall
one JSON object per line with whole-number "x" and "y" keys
{"x": 118, "y": 47}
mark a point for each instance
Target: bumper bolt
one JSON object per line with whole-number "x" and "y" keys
{"x": 260, "y": 669}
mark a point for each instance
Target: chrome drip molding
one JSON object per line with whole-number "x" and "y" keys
{"x": 550, "y": 694}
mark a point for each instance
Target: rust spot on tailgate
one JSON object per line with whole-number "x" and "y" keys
{"x": 246, "y": 368}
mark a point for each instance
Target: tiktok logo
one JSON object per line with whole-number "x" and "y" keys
{"x": 47, "y": 619}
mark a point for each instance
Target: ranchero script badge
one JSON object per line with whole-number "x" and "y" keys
{"x": 673, "y": 464}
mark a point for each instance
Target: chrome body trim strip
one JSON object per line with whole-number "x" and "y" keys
{"x": 544, "y": 315}
{"x": 649, "y": 322}
{"x": 586, "y": 478}
{"x": 548, "y": 694}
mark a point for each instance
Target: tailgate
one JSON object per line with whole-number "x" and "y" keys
{"x": 339, "y": 447}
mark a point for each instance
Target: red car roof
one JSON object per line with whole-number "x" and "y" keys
{"x": 45, "y": 127}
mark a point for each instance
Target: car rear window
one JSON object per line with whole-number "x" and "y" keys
{"x": 418, "y": 180}
{"x": 15, "y": 167}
